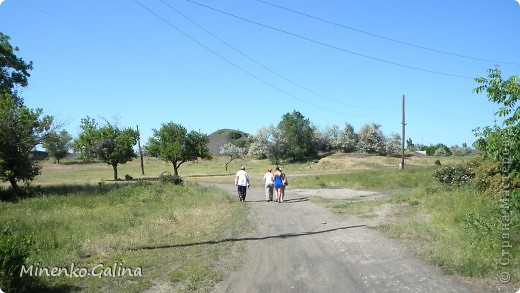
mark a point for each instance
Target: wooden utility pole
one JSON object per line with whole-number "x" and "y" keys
{"x": 140, "y": 150}
{"x": 401, "y": 166}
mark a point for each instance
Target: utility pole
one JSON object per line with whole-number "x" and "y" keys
{"x": 401, "y": 166}
{"x": 140, "y": 150}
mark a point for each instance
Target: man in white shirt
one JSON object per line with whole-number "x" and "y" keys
{"x": 242, "y": 182}
{"x": 269, "y": 184}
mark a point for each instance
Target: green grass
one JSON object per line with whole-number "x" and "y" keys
{"x": 80, "y": 215}
{"x": 372, "y": 179}
{"x": 160, "y": 228}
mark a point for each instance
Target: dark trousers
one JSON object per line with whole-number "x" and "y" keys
{"x": 242, "y": 192}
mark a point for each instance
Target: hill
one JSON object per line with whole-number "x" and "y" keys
{"x": 224, "y": 136}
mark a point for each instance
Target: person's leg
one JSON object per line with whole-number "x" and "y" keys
{"x": 282, "y": 193}
{"x": 271, "y": 187}
{"x": 244, "y": 192}
{"x": 267, "y": 192}
{"x": 241, "y": 193}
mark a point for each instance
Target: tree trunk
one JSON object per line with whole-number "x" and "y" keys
{"x": 175, "y": 170}
{"x": 14, "y": 186}
{"x": 115, "y": 171}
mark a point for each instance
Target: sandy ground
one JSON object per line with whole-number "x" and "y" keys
{"x": 298, "y": 246}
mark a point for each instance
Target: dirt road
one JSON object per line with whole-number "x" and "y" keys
{"x": 298, "y": 246}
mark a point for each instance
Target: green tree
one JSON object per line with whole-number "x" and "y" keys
{"x": 172, "y": 143}
{"x": 298, "y": 135}
{"x": 58, "y": 144}
{"x": 108, "y": 143}
{"x": 14, "y": 71}
{"x": 21, "y": 130}
{"x": 85, "y": 144}
{"x": 115, "y": 146}
{"x": 501, "y": 143}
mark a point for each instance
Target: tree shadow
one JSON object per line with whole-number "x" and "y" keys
{"x": 281, "y": 236}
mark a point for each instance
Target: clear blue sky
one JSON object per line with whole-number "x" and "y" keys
{"x": 151, "y": 65}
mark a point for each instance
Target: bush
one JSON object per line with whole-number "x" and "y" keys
{"x": 234, "y": 135}
{"x": 457, "y": 175}
{"x": 488, "y": 178}
{"x": 171, "y": 179}
{"x": 14, "y": 249}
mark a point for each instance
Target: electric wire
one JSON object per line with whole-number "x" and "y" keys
{"x": 266, "y": 67}
{"x": 235, "y": 65}
{"x": 138, "y": 51}
{"x": 384, "y": 37}
{"x": 329, "y": 45}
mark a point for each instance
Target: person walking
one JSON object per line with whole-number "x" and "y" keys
{"x": 278, "y": 184}
{"x": 269, "y": 184}
{"x": 285, "y": 183}
{"x": 242, "y": 182}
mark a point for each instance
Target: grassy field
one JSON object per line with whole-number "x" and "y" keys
{"x": 167, "y": 232}
{"x": 174, "y": 233}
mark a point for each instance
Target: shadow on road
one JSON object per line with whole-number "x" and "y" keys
{"x": 282, "y": 236}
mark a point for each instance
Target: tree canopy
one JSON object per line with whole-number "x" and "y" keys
{"x": 14, "y": 71}
{"x": 173, "y": 143}
{"x": 58, "y": 144}
{"x": 501, "y": 143}
{"x": 21, "y": 128}
{"x": 298, "y": 135}
{"x": 108, "y": 143}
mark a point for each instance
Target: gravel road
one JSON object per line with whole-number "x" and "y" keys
{"x": 298, "y": 246}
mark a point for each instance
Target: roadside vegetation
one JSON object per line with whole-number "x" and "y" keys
{"x": 465, "y": 228}
{"x": 173, "y": 233}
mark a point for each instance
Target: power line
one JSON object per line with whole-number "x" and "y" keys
{"x": 329, "y": 45}
{"x": 136, "y": 50}
{"x": 383, "y": 37}
{"x": 266, "y": 67}
{"x": 233, "y": 64}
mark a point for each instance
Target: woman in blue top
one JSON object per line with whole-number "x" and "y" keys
{"x": 278, "y": 184}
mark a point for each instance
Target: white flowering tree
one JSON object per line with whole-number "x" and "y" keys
{"x": 232, "y": 151}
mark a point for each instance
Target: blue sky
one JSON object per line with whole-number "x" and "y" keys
{"x": 243, "y": 64}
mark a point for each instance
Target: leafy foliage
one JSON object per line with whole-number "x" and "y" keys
{"x": 172, "y": 143}
{"x": 58, "y": 144}
{"x": 14, "y": 249}
{"x": 166, "y": 177}
{"x": 372, "y": 139}
{"x": 13, "y": 70}
{"x": 108, "y": 143}
{"x": 457, "y": 175}
{"x": 234, "y": 135}
{"x": 21, "y": 129}
{"x": 298, "y": 134}
{"x": 501, "y": 143}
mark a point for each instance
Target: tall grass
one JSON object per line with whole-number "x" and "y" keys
{"x": 158, "y": 227}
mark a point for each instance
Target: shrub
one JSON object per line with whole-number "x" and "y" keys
{"x": 457, "y": 175}
{"x": 171, "y": 179}
{"x": 14, "y": 249}
{"x": 488, "y": 178}
{"x": 234, "y": 135}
